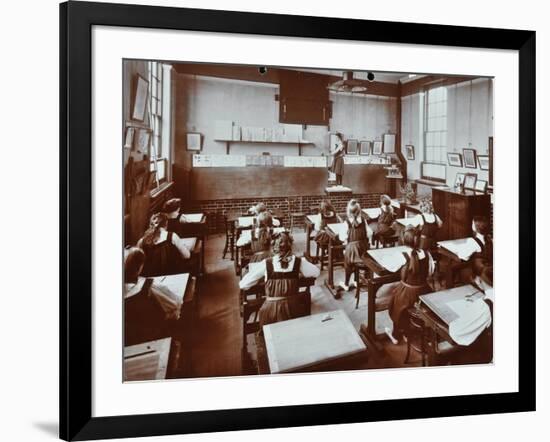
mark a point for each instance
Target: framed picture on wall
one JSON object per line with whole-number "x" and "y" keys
{"x": 454, "y": 159}
{"x": 483, "y": 162}
{"x": 140, "y": 98}
{"x": 409, "y": 148}
{"x": 364, "y": 148}
{"x": 469, "y": 158}
{"x": 389, "y": 143}
{"x": 481, "y": 186}
{"x": 470, "y": 181}
{"x": 194, "y": 141}
{"x": 143, "y": 140}
{"x": 351, "y": 147}
{"x": 99, "y": 271}
{"x": 377, "y": 148}
{"x": 129, "y": 139}
{"x": 459, "y": 179}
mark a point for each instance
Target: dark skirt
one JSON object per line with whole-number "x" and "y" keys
{"x": 337, "y": 166}
{"x": 322, "y": 238}
{"x": 354, "y": 253}
{"x": 403, "y": 297}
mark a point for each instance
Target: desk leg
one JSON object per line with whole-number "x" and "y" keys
{"x": 329, "y": 283}
{"x": 237, "y": 262}
{"x": 308, "y": 243}
{"x": 370, "y": 331}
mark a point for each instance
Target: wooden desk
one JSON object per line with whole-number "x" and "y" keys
{"x": 377, "y": 275}
{"x": 374, "y": 212}
{"x": 144, "y": 320}
{"x": 335, "y": 255}
{"x": 454, "y": 263}
{"x": 434, "y": 311}
{"x": 313, "y": 343}
{"x": 147, "y": 361}
{"x": 402, "y": 223}
{"x": 457, "y": 210}
{"x": 251, "y": 301}
{"x": 196, "y": 227}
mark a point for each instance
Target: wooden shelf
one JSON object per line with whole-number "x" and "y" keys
{"x": 293, "y": 143}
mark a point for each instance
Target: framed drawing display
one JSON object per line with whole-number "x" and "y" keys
{"x": 470, "y": 181}
{"x": 98, "y": 395}
{"x": 469, "y": 158}
{"x": 410, "y": 152}
{"x": 377, "y": 147}
{"x": 140, "y": 98}
{"x": 351, "y": 147}
{"x": 454, "y": 159}
{"x": 364, "y": 148}
{"x": 483, "y": 162}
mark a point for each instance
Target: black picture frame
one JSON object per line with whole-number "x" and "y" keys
{"x": 470, "y": 180}
{"x": 76, "y": 385}
{"x": 377, "y": 147}
{"x": 454, "y": 159}
{"x": 470, "y": 159}
{"x": 484, "y": 162}
{"x": 364, "y": 147}
{"x": 352, "y": 147}
{"x": 409, "y": 149}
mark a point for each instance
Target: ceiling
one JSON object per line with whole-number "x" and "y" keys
{"x": 385, "y": 77}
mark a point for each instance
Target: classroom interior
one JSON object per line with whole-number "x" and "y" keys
{"x": 210, "y": 147}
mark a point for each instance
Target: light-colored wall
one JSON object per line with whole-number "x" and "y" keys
{"x": 469, "y": 124}
{"x": 200, "y": 101}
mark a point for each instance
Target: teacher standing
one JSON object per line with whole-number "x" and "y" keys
{"x": 337, "y": 150}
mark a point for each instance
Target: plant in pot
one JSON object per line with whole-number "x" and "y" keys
{"x": 409, "y": 193}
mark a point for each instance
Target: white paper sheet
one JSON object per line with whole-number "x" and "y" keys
{"x": 408, "y": 221}
{"x": 463, "y": 248}
{"x": 391, "y": 258}
{"x": 193, "y": 217}
{"x": 474, "y": 316}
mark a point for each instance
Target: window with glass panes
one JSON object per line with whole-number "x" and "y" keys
{"x": 159, "y": 159}
{"x": 435, "y": 126}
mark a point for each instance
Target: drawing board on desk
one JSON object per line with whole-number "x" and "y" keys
{"x": 463, "y": 248}
{"x": 390, "y": 258}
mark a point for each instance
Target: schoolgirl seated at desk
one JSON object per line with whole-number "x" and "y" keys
{"x": 165, "y": 252}
{"x": 428, "y": 223}
{"x": 385, "y": 219}
{"x": 356, "y": 236}
{"x": 482, "y": 260}
{"x": 260, "y": 238}
{"x": 281, "y": 274}
{"x": 261, "y": 208}
{"x": 415, "y": 274}
{"x": 327, "y": 215}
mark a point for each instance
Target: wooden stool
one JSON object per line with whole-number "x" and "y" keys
{"x": 230, "y": 233}
{"x": 295, "y": 212}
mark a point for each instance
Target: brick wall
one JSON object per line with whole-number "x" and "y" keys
{"x": 215, "y": 209}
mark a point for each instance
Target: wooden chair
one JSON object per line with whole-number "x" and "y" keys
{"x": 296, "y": 212}
{"x": 416, "y": 336}
{"x": 229, "y": 219}
{"x": 386, "y": 241}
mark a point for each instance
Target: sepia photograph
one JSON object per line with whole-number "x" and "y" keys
{"x": 263, "y": 236}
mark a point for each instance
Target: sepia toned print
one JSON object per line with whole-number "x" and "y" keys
{"x": 286, "y": 220}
